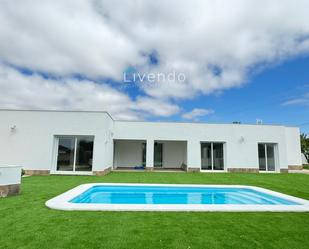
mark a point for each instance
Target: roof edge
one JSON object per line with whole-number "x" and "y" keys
{"x": 142, "y": 121}
{"x": 42, "y": 110}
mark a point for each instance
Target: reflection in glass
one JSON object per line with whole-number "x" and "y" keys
{"x": 144, "y": 154}
{"x": 267, "y": 161}
{"x": 270, "y": 157}
{"x": 206, "y": 156}
{"x": 65, "y": 160}
{"x": 84, "y": 153}
{"x": 218, "y": 156}
{"x": 158, "y": 155}
{"x": 262, "y": 158}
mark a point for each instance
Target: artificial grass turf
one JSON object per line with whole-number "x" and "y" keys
{"x": 25, "y": 222}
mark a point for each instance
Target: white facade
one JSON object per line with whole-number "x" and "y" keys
{"x": 304, "y": 159}
{"x": 31, "y": 139}
{"x": 28, "y": 138}
{"x": 10, "y": 175}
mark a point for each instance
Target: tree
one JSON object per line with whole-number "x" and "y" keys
{"x": 304, "y": 141}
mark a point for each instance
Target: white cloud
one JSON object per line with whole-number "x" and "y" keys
{"x": 216, "y": 43}
{"x": 156, "y": 107}
{"x": 63, "y": 37}
{"x": 197, "y": 113}
{"x": 19, "y": 91}
{"x": 302, "y": 100}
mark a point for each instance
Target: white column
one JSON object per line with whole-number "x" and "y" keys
{"x": 193, "y": 155}
{"x": 149, "y": 153}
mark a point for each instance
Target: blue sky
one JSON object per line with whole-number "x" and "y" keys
{"x": 263, "y": 97}
{"x": 240, "y": 62}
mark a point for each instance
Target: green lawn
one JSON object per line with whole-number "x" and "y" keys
{"x": 25, "y": 222}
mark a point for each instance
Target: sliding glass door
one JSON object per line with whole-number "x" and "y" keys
{"x": 212, "y": 156}
{"x": 206, "y": 156}
{"x": 267, "y": 160}
{"x": 66, "y": 150}
{"x": 84, "y": 153}
{"x": 75, "y": 153}
{"x": 262, "y": 157}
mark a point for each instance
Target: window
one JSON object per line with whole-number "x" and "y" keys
{"x": 158, "y": 155}
{"x": 212, "y": 156}
{"x": 267, "y": 160}
{"x": 66, "y": 148}
{"x": 206, "y": 156}
{"x": 144, "y": 147}
{"x": 75, "y": 153}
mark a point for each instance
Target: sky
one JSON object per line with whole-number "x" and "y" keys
{"x": 215, "y": 61}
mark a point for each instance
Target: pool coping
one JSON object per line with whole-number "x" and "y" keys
{"x": 62, "y": 201}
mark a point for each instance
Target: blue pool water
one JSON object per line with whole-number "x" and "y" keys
{"x": 109, "y": 194}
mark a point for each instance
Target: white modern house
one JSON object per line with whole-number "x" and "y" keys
{"x": 80, "y": 142}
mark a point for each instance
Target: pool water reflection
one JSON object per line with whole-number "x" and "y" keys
{"x": 106, "y": 194}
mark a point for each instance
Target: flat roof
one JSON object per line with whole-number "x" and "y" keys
{"x": 143, "y": 121}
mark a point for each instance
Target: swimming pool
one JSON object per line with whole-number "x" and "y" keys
{"x": 175, "y": 197}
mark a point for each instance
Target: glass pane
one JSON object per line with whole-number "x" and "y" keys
{"x": 144, "y": 154}
{"x": 84, "y": 154}
{"x": 262, "y": 161}
{"x": 270, "y": 157}
{"x": 65, "y": 159}
{"x": 218, "y": 156}
{"x": 206, "y": 156}
{"x": 158, "y": 155}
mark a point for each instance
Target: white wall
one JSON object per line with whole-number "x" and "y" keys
{"x": 292, "y": 135}
{"x": 32, "y": 144}
{"x": 174, "y": 153}
{"x": 239, "y": 153}
{"x": 10, "y": 175}
{"x": 128, "y": 153}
